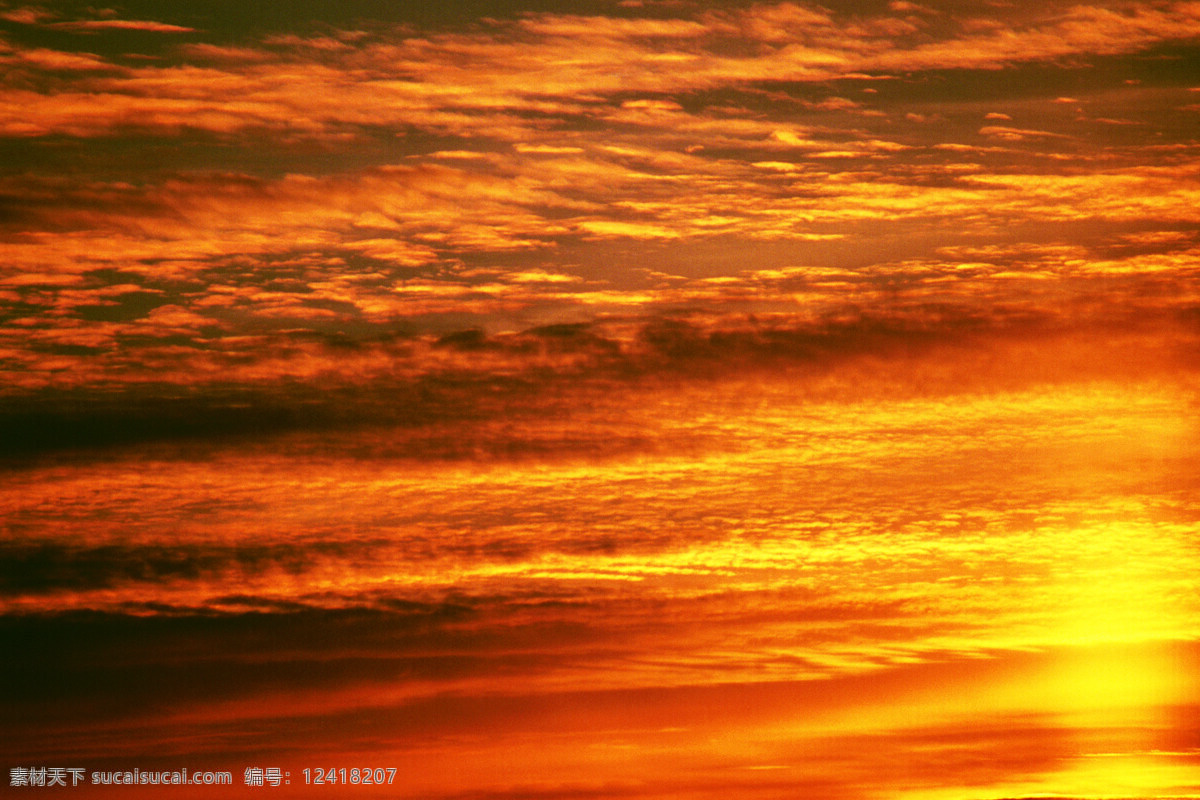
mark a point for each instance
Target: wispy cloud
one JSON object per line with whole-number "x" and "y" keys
{"x": 120, "y": 25}
{"x": 566, "y": 64}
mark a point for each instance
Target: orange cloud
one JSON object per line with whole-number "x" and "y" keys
{"x": 121, "y": 25}
{"x": 422, "y": 81}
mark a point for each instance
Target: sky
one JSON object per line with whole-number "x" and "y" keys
{"x": 603, "y": 398}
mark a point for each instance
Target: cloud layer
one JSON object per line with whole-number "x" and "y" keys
{"x": 548, "y": 168}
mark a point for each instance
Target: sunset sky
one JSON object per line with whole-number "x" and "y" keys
{"x": 613, "y": 399}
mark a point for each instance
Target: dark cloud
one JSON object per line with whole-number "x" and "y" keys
{"x": 81, "y": 670}
{"x": 91, "y": 421}
{"x": 469, "y": 377}
{"x": 45, "y": 567}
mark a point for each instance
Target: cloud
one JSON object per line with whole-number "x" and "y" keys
{"x": 633, "y": 230}
{"x": 204, "y": 216}
{"x": 546, "y": 149}
{"x": 429, "y": 81}
{"x": 26, "y": 15}
{"x": 185, "y": 357}
{"x": 451, "y": 596}
{"x": 1016, "y": 134}
{"x": 1080, "y": 30}
{"x": 54, "y": 61}
{"x": 120, "y": 25}
{"x": 356, "y": 255}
